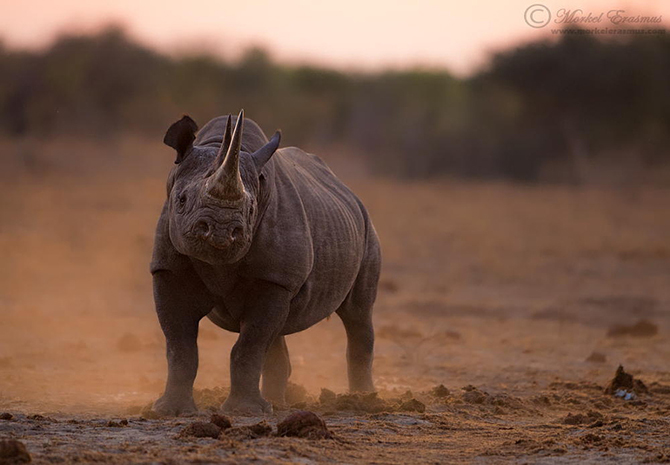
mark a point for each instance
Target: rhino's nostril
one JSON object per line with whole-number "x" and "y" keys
{"x": 202, "y": 229}
{"x": 236, "y": 234}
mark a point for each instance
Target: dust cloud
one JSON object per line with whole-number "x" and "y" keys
{"x": 502, "y": 293}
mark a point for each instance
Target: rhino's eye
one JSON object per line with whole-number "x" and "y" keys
{"x": 181, "y": 201}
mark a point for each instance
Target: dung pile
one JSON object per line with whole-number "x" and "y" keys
{"x": 200, "y": 429}
{"x": 303, "y": 424}
{"x": 625, "y": 385}
{"x": 13, "y": 452}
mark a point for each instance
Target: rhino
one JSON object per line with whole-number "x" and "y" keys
{"x": 264, "y": 242}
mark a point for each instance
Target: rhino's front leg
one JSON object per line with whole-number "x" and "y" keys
{"x": 265, "y": 310}
{"x": 181, "y": 302}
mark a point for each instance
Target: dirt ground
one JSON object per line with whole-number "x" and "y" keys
{"x": 521, "y": 301}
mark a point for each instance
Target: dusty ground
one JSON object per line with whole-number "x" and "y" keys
{"x": 519, "y": 300}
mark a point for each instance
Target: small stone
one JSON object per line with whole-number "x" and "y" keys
{"x": 6, "y": 416}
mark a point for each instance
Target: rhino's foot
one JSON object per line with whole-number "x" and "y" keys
{"x": 175, "y": 406}
{"x": 250, "y": 406}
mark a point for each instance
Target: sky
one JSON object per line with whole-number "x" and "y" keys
{"x": 349, "y": 34}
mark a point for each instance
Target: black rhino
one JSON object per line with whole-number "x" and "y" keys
{"x": 264, "y": 242}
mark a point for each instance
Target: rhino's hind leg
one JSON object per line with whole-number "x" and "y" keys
{"x": 356, "y": 314}
{"x": 276, "y": 371}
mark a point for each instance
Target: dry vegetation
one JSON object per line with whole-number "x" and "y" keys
{"x": 504, "y": 294}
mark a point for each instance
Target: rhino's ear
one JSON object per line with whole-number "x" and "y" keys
{"x": 180, "y": 136}
{"x": 262, "y": 155}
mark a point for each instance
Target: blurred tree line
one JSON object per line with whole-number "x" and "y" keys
{"x": 557, "y": 102}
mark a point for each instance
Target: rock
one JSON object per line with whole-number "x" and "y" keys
{"x": 13, "y": 452}
{"x": 201, "y": 429}
{"x": 221, "y": 421}
{"x": 303, "y": 424}
{"x": 6, "y": 416}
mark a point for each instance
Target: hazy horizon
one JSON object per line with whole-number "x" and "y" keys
{"x": 459, "y": 37}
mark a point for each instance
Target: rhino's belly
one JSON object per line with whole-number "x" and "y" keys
{"x": 316, "y": 300}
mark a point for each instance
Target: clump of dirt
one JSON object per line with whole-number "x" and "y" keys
{"x": 303, "y": 424}
{"x": 327, "y": 396}
{"x": 643, "y": 328}
{"x": 258, "y": 430}
{"x": 146, "y": 412}
{"x": 369, "y": 402}
{"x": 500, "y": 403}
{"x": 582, "y": 419}
{"x": 13, "y": 452}
{"x": 625, "y": 385}
{"x": 440, "y": 391}
{"x": 658, "y": 388}
{"x": 38, "y": 417}
{"x": 6, "y": 416}
{"x": 295, "y": 393}
{"x": 210, "y": 399}
{"x": 200, "y": 429}
{"x": 117, "y": 424}
{"x": 129, "y": 343}
{"x": 357, "y": 402}
{"x": 596, "y": 357}
{"x": 473, "y": 395}
{"x": 221, "y": 421}
{"x": 412, "y": 405}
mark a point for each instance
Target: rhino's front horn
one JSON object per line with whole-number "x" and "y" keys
{"x": 226, "y": 182}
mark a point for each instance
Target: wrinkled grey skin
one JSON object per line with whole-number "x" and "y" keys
{"x": 271, "y": 256}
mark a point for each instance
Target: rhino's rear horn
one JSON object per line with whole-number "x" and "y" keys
{"x": 262, "y": 155}
{"x": 180, "y": 136}
{"x": 226, "y": 182}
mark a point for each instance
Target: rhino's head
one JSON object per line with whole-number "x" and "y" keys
{"x": 213, "y": 195}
